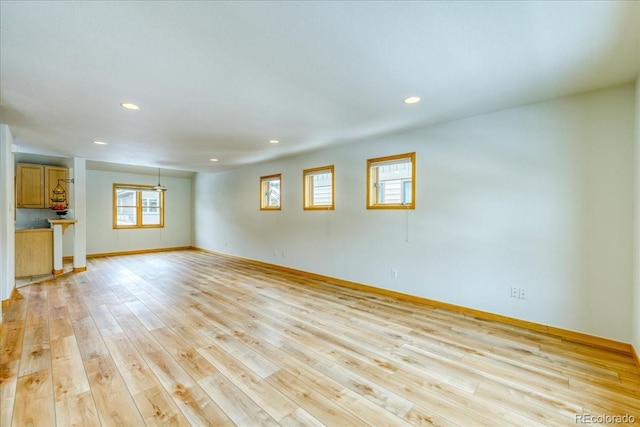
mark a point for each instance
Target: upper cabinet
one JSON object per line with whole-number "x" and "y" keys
{"x": 29, "y": 186}
{"x": 35, "y": 184}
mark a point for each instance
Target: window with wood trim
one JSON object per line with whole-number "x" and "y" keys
{"x": 270, "y": 192}
{"x": 391, "y": 182}
{"x": 137, "y": 206}
{"x": 318, "y": 188}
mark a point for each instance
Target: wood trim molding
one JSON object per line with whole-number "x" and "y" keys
{"x": 79, "y": 269}
{"x": 139, "y": 251}
{"x": 57, "y": 272}
{"x": 636, "y": 355}
{"x": 565, "y": 334}
{"x": 15, "y": 295}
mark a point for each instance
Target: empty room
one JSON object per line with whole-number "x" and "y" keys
{"x": 319, "y": 213}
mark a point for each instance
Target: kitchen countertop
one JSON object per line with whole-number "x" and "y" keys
{"x": 62, "y": 221}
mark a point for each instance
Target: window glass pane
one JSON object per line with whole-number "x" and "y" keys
{"x": 126, "y": 216}
{"x": 151, "y": 216}
{"x": 406, "y": 191}
{"x": 149, "y": 199}
{"x": 391, "y": 179}
{"x": 321, "y": 189}
{"x": 126, "y": 197}
{"x": 273, "y": 192}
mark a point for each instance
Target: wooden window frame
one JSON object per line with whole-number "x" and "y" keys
{"x": 372, "y": 196}
{"x": 307, "y": 194}
{"x": 139, "y": 207}
{"x": 264, "y": 203}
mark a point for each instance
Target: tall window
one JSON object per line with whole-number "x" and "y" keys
{"x": 270, "y": 192}
{"x": 391, "y": 182}
{"x": 318, "y": 188}
{"x": 136, "y": 207}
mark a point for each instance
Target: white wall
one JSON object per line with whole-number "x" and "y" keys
{"x": 7, "y": 232}
{"x": 536, "y": 197}
{"x": 636, "y": 296}
{"x": 102, "y": 238}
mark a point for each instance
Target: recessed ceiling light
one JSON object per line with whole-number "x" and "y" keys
{"x": 274, "y": 141}
{"x": 99, "y": 142}
{"x": 214, "y": 160}
{"x": 412, "y": 100}
{"x": 130, "y": 106}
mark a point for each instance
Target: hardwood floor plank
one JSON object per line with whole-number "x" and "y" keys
{"x": 419, "y": 416}
{"x": 146, "y": 317}
{"x": 36, "y": 349}
{"x": 190, "y": 338}
{"x": 69, "y": 376}
{"x": 77, "y": 410}
{"x": 76, "y": 306}
{"x": 158, "y": 409}
{"x": 104, "y": 320}
{"x": 251, "y": 359}
{"x": 74, "y": 402}
{"x": 187, "y": 356}
{"x": 368, "y": 410}
{"x": 38, "y": 308}
{"x": 300, "y": 418}
{"x": 194, "y": 403}
{"x": 8, "y": 384}
{"x": 60, "y": 325}
{"x": 113, "y": 401}
{"x": 546, "y": 415}
{"x": 89, "y": 339}
{"x": 270, "y": 399}
{"x": 315, "y": 403}
{"x": 18, "y": 309}
{"x": 132, "y": 367}
{"x": 238, "y": 406}
{"x": 34, "y": 400}
{"x": 11, "y": 341}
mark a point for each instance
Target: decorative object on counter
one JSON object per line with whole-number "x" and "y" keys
{"x": 59, "y": 199}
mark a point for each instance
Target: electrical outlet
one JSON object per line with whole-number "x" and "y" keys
{"x": 282, "y": 254}
{"x": 275, "y": 252}
{"x": 523, "y": 293}
{"x": 515, "y": 292}
{"x": 394, "y": 273}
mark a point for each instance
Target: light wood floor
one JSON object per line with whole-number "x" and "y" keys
{"x": 190, "y": 338}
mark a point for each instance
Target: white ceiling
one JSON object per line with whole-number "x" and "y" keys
{"x": 220, "y": 79}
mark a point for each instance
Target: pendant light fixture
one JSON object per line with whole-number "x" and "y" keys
{"x": 160, "y": 188}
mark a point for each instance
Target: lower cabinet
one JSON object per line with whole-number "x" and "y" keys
{"x": 34, "y": 252}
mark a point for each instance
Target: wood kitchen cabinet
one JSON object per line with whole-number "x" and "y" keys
{"x": 34, "y": 252}
{"x": 29, "y": 186}
{"x": 35, "y": 184}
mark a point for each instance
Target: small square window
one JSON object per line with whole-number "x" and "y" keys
{"x": 391, "y": 182}
{"x": 318, "y": 188}
{"x": 270, "y": 187}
